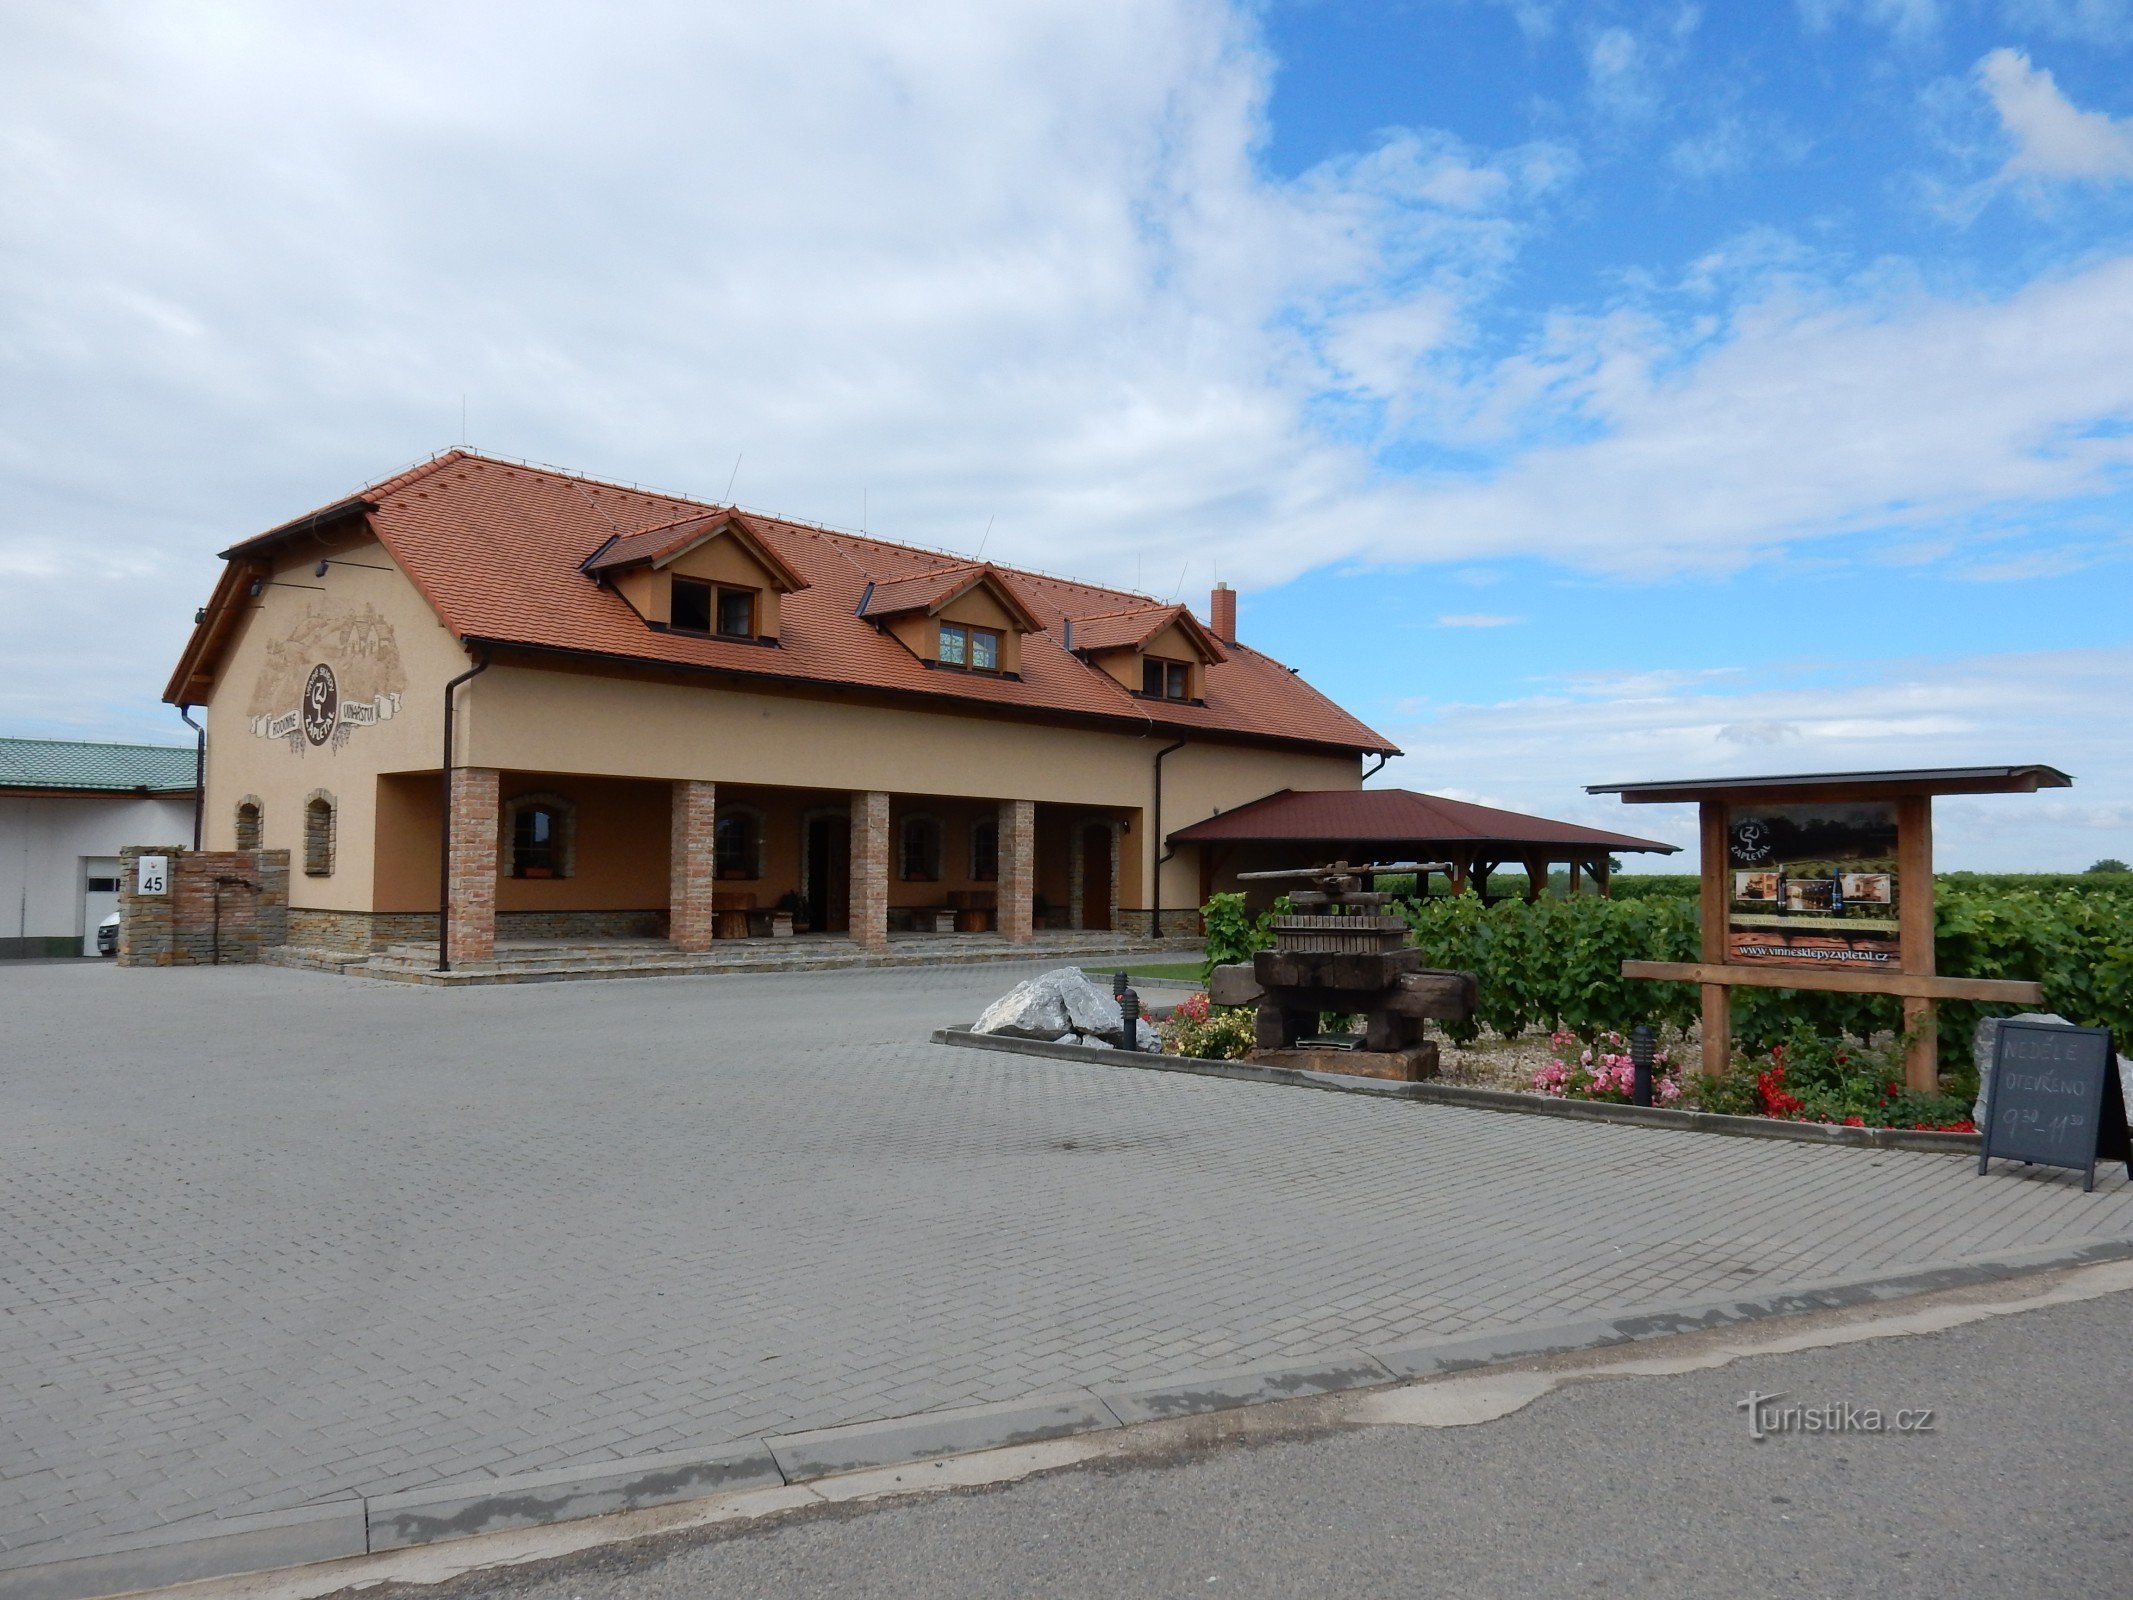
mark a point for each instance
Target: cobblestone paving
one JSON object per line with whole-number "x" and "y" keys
{"x": 269, "y": 1237}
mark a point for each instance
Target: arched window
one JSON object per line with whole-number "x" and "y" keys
{"x": 985, "y": 850}
{"x": 251, "y": 823}
{"x": 540, "y": 836}
{"x": 738, "y": 843}
{"x": 919, "y": 854}
{"x": 318, "y": 835}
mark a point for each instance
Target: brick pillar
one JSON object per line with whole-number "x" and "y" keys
{"x": 474, "y": 860}
{"x": 870, "y": 868}
{"x": 1018, "y": 868}
{"x": 692, "y": 864}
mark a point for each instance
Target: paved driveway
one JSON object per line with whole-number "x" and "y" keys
{"x": 268, "y": 1237}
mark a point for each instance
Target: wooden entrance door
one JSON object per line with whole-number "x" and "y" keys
{"x": 1096, "y": 877}
{"x": 829, "y": 874}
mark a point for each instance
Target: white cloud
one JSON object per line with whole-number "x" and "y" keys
{"x": 1536, "y": 753}
{"x": 1478, "y": 619}
{"x": 2053, "y": 138}
{"x": 970, "y": 262}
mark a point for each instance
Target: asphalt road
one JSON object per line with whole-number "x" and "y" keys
{"x": 1648, "y": 1486}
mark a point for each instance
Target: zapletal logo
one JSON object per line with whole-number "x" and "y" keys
{"x": 1751, "y": 842}
{"x": 322, "y": 704}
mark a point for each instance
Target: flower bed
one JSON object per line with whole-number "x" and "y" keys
{"x": 1603, "y": 1072}
{"x": 1804, "y": 1079}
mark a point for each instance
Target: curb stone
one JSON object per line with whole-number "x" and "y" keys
{"x": 826, "y": 1452}
{"x": 1260, "y": 1384}
{"x": 535, "y": 1499}
{"x": 1479, "y": 1099}
{"x": 337, "y": 1529}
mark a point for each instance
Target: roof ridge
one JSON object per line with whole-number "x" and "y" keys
{"x": 99, "y": 744}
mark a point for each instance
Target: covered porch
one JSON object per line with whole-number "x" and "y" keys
{"x": 1299, "y": 828}
{"x": 539, "y": 865}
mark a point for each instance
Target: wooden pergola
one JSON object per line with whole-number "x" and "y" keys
{"x": 1304, "y": 827}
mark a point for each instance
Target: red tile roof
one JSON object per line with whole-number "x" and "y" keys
{"x": 656, "y": 544}
{"x": 1132, "y": 628}
{"x": 498, "y": 549}
{"x": 1399, "y": 817}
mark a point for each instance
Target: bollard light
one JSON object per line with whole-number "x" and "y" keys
{"x": 1643, "y": 1050}
{"x": 1129, "y": 1020}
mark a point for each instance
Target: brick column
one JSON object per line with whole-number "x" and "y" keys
{"x": 692, "y": 864}
{"x": 1018, "y": 868}
{"x": 474, "y": 863}
{"x": 870, "y": 868}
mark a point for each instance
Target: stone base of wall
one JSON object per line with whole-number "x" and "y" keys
{"x": 361, "y": 931}
{"x": 311, "y": 929}
{"x": 1177, "y": 924}
{"x": 580, "y": 925}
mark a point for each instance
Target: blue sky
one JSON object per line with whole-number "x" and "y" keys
{"x": 1580, "y": 392}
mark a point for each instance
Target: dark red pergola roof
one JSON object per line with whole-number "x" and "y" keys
{"x": 1406, "y": 819}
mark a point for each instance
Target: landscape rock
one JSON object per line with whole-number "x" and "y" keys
{"x": 1060, "y": 1001}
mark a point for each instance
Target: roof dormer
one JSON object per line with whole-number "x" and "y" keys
{"x": 1155, "y": 652}
{"x": 714, "y": 576}
{"x": 965, "y": 618}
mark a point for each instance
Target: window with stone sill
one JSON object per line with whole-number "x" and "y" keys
{"x": 919, "y": 850}
{"x": 539, "y": 833}
{"x": 738, "y": 844}
{"x": 318, "y": 835}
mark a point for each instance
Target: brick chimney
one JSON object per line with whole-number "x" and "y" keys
{"x": 1222, "y": 613}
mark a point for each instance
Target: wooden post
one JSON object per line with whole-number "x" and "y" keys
{"x": 1536, "y": 879}
{"x": 1716, "y": 899}
{"x": 1914, "y": 948}
{"x": 1603, "y": 875}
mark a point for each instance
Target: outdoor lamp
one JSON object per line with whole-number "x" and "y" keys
{"x": 1643, "y": 1050}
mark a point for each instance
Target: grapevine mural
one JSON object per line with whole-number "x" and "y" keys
{"x": 336, "y": 671}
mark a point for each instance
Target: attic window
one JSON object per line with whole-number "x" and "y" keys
{"x": 1165, "y": 680}
{"x": 969, "y": 649}
{"x": 700, "y": 607}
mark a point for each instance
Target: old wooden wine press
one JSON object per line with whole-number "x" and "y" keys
{"x": 1338, "y": 950}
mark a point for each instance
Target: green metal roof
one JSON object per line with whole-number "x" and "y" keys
{"x": 71, "y": 764}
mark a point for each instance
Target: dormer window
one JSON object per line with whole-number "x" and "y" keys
{"x": 1165, "y": 680}
{"x": 713, "y": 576}
{"x": 969, "y": 649}
{"x": 700, "y": 607}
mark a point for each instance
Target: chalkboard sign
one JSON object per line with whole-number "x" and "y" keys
{"x": 2055, "y": 1099}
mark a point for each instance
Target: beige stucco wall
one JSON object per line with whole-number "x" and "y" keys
{"x": 532, "y": 719}
{"x": 337, "y": 619}
{"x": 568, "y": 723}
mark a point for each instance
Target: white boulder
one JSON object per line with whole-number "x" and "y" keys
{"x": 1060, "y": 1001}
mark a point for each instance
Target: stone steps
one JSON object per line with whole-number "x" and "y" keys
{"x": 416, "y": 963}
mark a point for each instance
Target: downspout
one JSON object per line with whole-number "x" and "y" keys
{"x": 1155, "y": 890}
{"x": 1383, "y": 757}
{"x": 199, "y": 772}
{"x": 444, "y": 828}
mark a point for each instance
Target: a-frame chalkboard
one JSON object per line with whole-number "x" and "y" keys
{"x": 2055, "y": 1099}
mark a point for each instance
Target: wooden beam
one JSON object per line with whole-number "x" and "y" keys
{"x": 1925, "y": 986}
{"x": 1714, "y": 905}
{"x": 1914, "y": 938}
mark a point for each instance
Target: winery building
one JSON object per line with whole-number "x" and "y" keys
{"x": 664, "y": 719}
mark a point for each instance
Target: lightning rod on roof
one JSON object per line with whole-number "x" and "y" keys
{"x": 731, "y": 476}
{"x": 980, "y": 556}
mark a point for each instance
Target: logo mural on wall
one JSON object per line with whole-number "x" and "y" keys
{"x": 337, "y": 670}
